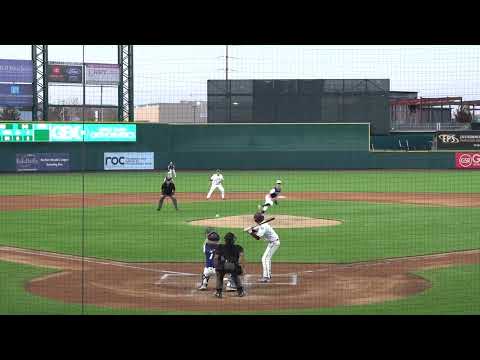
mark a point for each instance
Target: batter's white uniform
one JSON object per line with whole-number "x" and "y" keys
{"x": 216, "y": 184}
{"x": 266, "y": 232}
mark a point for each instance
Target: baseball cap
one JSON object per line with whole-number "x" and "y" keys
{"x": 278, "y": 182}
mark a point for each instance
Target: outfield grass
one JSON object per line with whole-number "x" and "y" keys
{"x": 294, "y": 181}
{"x": 139, "y": 233}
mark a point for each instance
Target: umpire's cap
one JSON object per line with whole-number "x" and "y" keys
{"x": 230, "y": 238}
{"x": 258, "y": 217}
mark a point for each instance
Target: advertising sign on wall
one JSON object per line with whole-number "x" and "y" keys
{"x": 102, "y": 74}
{"x": 16, "y": 95}
{"x": 43, "y": 162}
{"x": 458, "y": 140}
{"x": 61, "y": 132}
{"x": 128, "y": 161}
{"x": 65, "y": 73}
{"x": 469, "y": 160}
{"x": 16, "y": 71}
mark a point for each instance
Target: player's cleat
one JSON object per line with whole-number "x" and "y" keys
{"x": 241, "y": 293}
{"x": 158, "y": 209}
{"x": 264, "y": 280}
{"x": 202, "y": 287}
{"x": 230, "y": 288}
{"x": 218, "y": 294}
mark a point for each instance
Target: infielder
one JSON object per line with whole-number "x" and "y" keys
{"x": 269, "y": 235}
{"x": 171, "y": 170}
{"x": 216, "y": 183}
{"x": 272, "y": 197}
{"x": 209, "y": 247}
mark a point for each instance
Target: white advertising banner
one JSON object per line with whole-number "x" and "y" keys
{"x": 128, "y": 161}
{"x": 102, "y": 74}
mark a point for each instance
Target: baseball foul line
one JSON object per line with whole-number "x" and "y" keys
{"x": 389, "y": 261}
{"x": 109, "y": 263}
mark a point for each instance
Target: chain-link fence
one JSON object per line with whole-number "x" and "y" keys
{"x": 171, "y": 82}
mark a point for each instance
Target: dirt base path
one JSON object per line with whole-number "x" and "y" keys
{"x": 172, "y": 286}
{"x": 28, "y": 202}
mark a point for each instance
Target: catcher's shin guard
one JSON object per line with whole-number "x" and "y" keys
{"x": 205, "y": 279}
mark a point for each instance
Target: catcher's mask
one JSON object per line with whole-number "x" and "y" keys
{"x": 230, "y": 238}
{"x": 258, "y": 217}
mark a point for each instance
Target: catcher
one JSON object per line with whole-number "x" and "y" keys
{"x": 209, "y": 247}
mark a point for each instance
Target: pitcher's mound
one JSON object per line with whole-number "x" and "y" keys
{"x": 281, "y": 221}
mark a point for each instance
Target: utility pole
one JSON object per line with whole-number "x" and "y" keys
{"x": 83, "y": 82}
{"x": 229, "y": 96}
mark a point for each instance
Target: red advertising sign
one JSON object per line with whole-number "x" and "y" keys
{"x": 468, "y": 160}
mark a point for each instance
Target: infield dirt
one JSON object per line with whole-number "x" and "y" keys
{"x": 172, "y": 286}
{"x": 28, "y": 202}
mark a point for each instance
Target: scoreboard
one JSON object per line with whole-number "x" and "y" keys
{"x": 66, "y": 132}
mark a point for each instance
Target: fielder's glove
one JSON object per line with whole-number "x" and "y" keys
{"x": 275, "y": 202}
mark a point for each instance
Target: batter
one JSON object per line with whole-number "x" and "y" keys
{"x": 266, "y": 232}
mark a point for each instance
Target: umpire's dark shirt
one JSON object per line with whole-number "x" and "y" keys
{"x": 168, "y": 188}
{"x": 231, "y": 253}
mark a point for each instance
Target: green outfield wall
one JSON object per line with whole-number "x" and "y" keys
{"x": 242, "y": 146}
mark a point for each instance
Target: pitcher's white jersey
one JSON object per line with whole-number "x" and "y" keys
{"x": 267, "y": 232}
{"x": 216, "y": 179}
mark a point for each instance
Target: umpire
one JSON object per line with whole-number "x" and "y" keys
{"x": 229, "y": 260}
{"x": 168, "y": 189}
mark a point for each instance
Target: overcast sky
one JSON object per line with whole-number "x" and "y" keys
{"x": 169, "y": 73}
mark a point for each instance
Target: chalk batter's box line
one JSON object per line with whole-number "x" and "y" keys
{"x": 292, "y": 279}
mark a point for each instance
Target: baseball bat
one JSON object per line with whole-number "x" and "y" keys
{"x": 263, "y": 222}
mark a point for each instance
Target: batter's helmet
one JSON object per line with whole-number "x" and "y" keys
{"x": 212, "y": 235}
{"x": 258, "y": 217}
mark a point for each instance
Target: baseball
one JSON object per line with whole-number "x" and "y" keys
{"x": 217, "y": 215}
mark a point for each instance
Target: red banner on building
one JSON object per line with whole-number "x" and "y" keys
{"x": 469, "y": 160}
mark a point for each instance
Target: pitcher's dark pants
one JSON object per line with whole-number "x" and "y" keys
{"x": 160, "y": 203}
{"x": 235, "y": 277}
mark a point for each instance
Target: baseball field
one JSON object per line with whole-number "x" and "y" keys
{"x": 352, "y": 242}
